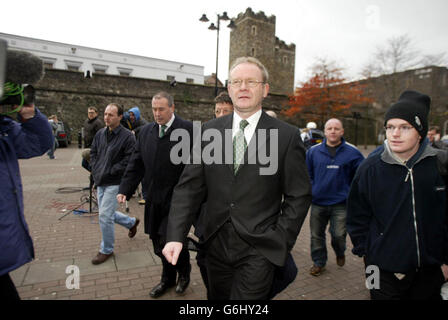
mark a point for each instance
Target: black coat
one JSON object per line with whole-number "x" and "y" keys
{"x": 151, "y": 160}
{"x": 91, "y": 127}
{"x": 267, "y": 211}
{"x": 396, "y": 212}
{"x": 108, "y": 159}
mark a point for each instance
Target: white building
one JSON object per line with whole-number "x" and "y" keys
{"x": 59, "y": 55}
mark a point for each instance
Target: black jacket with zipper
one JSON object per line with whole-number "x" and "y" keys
{"x": 396, "y": 212}
{"x": 109, "y": 157}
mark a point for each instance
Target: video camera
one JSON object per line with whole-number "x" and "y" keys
{"x": 3, "y": 47}
{"x": 18, "y": 69}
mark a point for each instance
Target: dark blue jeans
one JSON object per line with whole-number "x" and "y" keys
{"x": 50, "y": 152}
{"x": 320, "y": 215}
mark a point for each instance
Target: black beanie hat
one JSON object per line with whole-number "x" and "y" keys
{"x": 413, "y": 107}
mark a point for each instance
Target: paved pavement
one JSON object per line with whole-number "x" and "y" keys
{"x": 66, "y": 242}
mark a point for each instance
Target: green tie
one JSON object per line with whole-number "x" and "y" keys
{"x": 162, "y": 132}
{"x": 239, "y": 146}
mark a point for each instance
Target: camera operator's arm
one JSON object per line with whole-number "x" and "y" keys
{"x": 27, "y": 112}
{"x": 32, "y": 136}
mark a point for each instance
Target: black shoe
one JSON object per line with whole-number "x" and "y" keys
{"x": 133, "y": 230}
{"x": 182, "y": 284}
{"x": 160, "y": 289}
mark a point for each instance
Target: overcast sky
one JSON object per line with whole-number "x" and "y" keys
{"x": 347, "y": 31}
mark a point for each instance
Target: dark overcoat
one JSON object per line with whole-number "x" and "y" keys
{"x": 151, "y": 160}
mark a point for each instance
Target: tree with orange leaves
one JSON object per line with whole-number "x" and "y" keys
{"x": 326, "y": 94}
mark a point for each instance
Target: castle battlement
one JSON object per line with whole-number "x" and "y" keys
{"x": 260, "y": 15}
{"x": 254, "y": 36}
{"x": 282, "y": 44}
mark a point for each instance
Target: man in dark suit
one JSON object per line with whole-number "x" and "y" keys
{"x": 255, "y": 209}
{"x": 151, "y": 161}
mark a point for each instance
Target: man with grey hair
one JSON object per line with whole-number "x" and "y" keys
{"x": 331, "y": 165}
{"x": 151, "y": 160}
{"x": 252, "y": 219}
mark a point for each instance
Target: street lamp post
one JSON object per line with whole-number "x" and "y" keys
{"x": 212, "y": 26}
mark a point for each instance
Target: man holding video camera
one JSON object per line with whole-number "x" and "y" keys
{"x": 28, "y": 136}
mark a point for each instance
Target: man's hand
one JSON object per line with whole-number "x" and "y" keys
{"x": 445, "y": 271}
{"x": 121, "y": 198}
{"x": 171, "y": 251}
{"x": 27, "y": 111}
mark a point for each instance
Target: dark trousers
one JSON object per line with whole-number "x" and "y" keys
{"x": 86, "y": 165}
{"x": 422, "y": 284}
{"x": 235, "y": 269}
{"x": 169, "y": 272}
{"x": 8, "y": 290}
{"x": 200, "y": 259}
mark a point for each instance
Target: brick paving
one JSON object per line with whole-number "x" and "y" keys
{"x": 61, "y": 241}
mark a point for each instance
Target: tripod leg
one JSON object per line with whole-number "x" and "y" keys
{"x": 127, "y": 206}
{"x": 90, "y": 193}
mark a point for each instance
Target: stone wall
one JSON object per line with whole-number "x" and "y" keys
{"x": 432, "y": 81}
{"x": 68, "y": 94}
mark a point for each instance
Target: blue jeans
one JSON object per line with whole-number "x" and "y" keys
{"x": 108, "y": 216}
{"x": 50, "y": 152}
{"x": 320, "y": 215}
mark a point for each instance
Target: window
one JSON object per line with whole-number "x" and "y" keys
{"x": 48, "y": 62}
{"x": 72, "y": 68}
{"x": 285, "y": 60}
{"x": 124, "y": 71}
{"x": 252, "y": 52}
{"x": 73, "y": 65}
{"x": 170, "y": 78}
{"x": 253, "y": 30}
{"x": 189, "y": 80}
{"x": 99, "y": 68}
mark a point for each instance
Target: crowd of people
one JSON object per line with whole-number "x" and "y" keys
{"x": 393, "y": 204}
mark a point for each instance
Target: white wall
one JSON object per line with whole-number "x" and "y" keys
{"x": 62, "y": 55}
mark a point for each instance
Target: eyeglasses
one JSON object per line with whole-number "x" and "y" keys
{"x": 249, "y": 83}
{"x": 403, "y": 129}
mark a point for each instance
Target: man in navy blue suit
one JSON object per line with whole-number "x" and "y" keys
{"x": 151, "y": 161}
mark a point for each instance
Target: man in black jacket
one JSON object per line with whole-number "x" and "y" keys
{"x": 397, "y": 217}
{"x": 109, "y": 156}
{"x": 255, "y": 208}
{"x": 152, "y": 161}
{"x": 91, "y": 126}
{"x": 434, "y": 138}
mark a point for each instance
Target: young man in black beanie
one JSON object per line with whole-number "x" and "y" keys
{"x": 397, "y": 212}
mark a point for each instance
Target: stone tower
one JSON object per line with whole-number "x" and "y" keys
{"x": 254, "y": 36}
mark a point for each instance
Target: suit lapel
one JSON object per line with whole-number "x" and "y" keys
{"x": 227, "y": 125}
{"x": 264, "y": 123}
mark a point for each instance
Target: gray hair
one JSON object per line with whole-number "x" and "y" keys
{"x": 255, "y": 61}
{"x": 166, "y": 95}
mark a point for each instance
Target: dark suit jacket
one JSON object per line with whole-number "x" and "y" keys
{"x": 151, "y": 160}
{"x": 267, "y": 211}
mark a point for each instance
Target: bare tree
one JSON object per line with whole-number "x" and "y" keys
{"x": 398, "y": 55}
{"x": 433, "y": 60}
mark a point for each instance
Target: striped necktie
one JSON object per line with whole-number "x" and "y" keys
{"x": 162, "y": 132}
{"x": 239, "y": 146}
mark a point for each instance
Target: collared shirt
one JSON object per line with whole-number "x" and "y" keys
{"x": 250, "y": 129}
{"x": 168, "y": 124}
{"x": 110, "y": 154}
{"x": 111, "y": 133}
